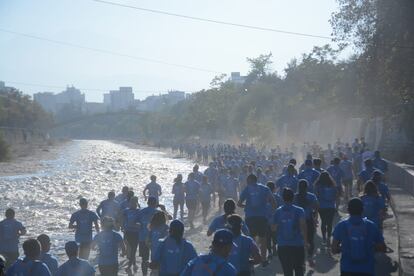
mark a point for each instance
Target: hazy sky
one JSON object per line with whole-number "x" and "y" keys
{"x": 174, "y": 40}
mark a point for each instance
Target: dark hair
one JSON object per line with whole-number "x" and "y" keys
{"x": 235, "y": 224}
{"x": 370, "y": 188}
{"x": 10, "y": 213}
{"x": 111, "y": 194}
{"x": 301, "y": 195}
{"x": 44, "y": 241}
{"x": 83, "y": 202}
{"x": 325, "y": 179}
{"x": 71, "y": 249}
{"x": 251, "y": 179}
{"x": 287, "y": 195}
{"x": 130, "y": 194}
{"x": 271, "y": 185}
{"x": 317, "y": 162}
{"x": 229, "y": 206}
{"x": 158, "y": 219}
{"x": 355, "y": 207}
{"x": 376, "y": 176}
{"x": 336, "y": 161}
{"x": 293, "y": 161}
{"x": 368, "y": 163}
{"x": 176, "y": 232}
{"x": 31, "y": 248}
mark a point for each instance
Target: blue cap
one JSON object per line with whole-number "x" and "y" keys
{"x": 223, "y": 237}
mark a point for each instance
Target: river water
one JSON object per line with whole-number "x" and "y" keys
{"x": 45, "y": 199}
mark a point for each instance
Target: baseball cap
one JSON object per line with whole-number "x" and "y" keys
{"x": 223, "y": 237}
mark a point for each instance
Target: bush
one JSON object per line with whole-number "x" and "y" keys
{"x": 4, "y": 150}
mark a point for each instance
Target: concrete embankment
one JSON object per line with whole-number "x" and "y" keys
{"x": 401, "y": 182}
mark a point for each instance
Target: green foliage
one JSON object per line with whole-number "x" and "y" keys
{"x": 4, "y": 150}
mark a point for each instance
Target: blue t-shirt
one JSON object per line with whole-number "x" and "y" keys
{"x": 220, "y": 223}
{"x": 84, "y": 220}
{"x": 154, "y": 189}
{"x": 327, "y": 197}
{"x": 9, "y": 235}
{"x": 108, "y": 208}
{"x": 27, "y": 267}
{"x": 287, "y": 181}
{"x": 380, "y": 164}
{"x": 256, "y": 197}
{"x": 50, "y": 261}
{"x": 357, "y": 254}
{"x": 155, "y": 235}
{"x": 309, "y": 205}
{"x": 205, "y": 192}
{"x": 192, "y": 190}
{"x": 243, "y": 248}
{"x": 372, "y": 208}
{"x": 287, "y": 218}
{"x": 210, "y": 264}
{"x": 310, "y": 175}
{"x": 346, "y": 167}
{"x": 383, "y": 190}
{"x": 76, "y": 267}
{"x": 337, "y": 174}
{"x": 178, "y": 191}
{"x": 108, "y": 244}
{"x": 366, "y": 174}
{"x": 173, "y": 257}
{"x": 131, "y": 218}
{"x": 212, "y": 175}
{"x": 145, "y": 216}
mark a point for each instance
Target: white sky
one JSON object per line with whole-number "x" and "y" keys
{"x": 174, "y": 40}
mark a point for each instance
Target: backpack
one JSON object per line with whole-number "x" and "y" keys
{"x": 206, "y": 267}
{"x": 288, "y": 225}
{"x": 357, "y": 235}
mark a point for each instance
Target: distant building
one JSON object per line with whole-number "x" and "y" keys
{"x": 4, "y": 88}
{"x": 94, "y": 108}
{"x": 47, "y": 100}
{"x": 154, "y": 103}
{"x": 121, "y": 99}
{"x": 236, "y": 78}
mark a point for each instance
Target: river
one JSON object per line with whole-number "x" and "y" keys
{"x": 45, "y": 198}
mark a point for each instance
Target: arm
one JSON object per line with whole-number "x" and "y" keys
{"x": 96, "y": 226}
{"x": 255, "y": 254}
{"x": 159, "y": 190}
{"x": 302, "y": 225}
{"x": 145, "y": 193}
{"x": 72, "y": 223}
{"x": 122, "y": 247}
{"x": 99, "y": 210}
{"x": 272, "y": 200}
{"x": 335, "y": 247}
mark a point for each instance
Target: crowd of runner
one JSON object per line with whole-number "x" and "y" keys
{"x": 284, "y": 201}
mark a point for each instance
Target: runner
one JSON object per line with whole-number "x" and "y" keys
{"x": 288, "y": 180}
{"x": 173, "y": 252}
{"x": 108, "y": 243}
{"x": 337, "y": 175}
{"x": 374, "y": 205}
{"x": 357, "y": 240}
{"x": 256, "y": 196}
{"x": 365, "y": 174}
{"x": 348, "y": 177}
{"x": 205, "y": 197}
{"x": 327, "y": 194}
{"x": 289, "y": 223}
{"x": 123, "y": 195}
{"x": 377, "y": 178}
{"x": 245, "y": 253}
{"x": 131, "y": 228}
{"x": 215, "y": 262}
{"x": 45, "y": 256}
{"x": 74, "y": 266}
{"x": 192, "y": 192}
{"x": 310, "y": 205}
{"x": 153, "y": 189}
{"x": 158, "y": 229}
{"x": 309, "y": 174}
{"x": 271, "y": 239}
{"x": 380, "y": 163}
{"x": 10, "y": 232}
{"x": 109, "y": 207}
{"x": 219, "y": 222}
{"x": 178, "y": 192}
{"x": 82, "y": 221}
{"x": 29, "y": 265}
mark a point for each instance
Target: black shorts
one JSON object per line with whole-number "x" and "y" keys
{"x": 257, "y": 226}
{"x": 144, "y": 250}
{"x": 191, "y": 204}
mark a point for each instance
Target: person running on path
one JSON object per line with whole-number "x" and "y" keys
{"x": 75, "y": 266}
{"x": 327, "y": 193}
{"x": 309, "y": 174}
{"x": 29, "y": 265}
{"x": 271, "y": 239}
{"x": 179, "y": 195}
{"x": 145, "y": 215}
{"x": 310, "y": 205}
{"x": 288, "y": 179}
{"x": 192, "y": 195}
{"x": 365, "y": 174}
{"x": 254, "y": 199}
{"x": 123, "y": 195}
{"x": 220, "y": 222}
{"x": 82, "y": 221}
{"x": 337, "y": 174}
{"x": 108, "y": 243}
{"x": 245, "y": 253}
{"x": 109, "y": 207}
{"x": 289, "y": 223}
{"x": 45, "y": 256}
{"x": 215, "y": 262}
{"x": 174, "y": 252}
{"x": 131, "y": 228}
{"x": 374, "y": 204}
{"x": 377, "y": 178}
{"x": 348, "y": 177}
{"x": 357, "y": 239}
{"x": 152, "y": 189}
{"x": 125, "y": 204}
{"x": 205, "y": 197}
{"x": 10, "y": 232}
{"x": 379, "y": 163}
{"x": 158, "y": 229}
